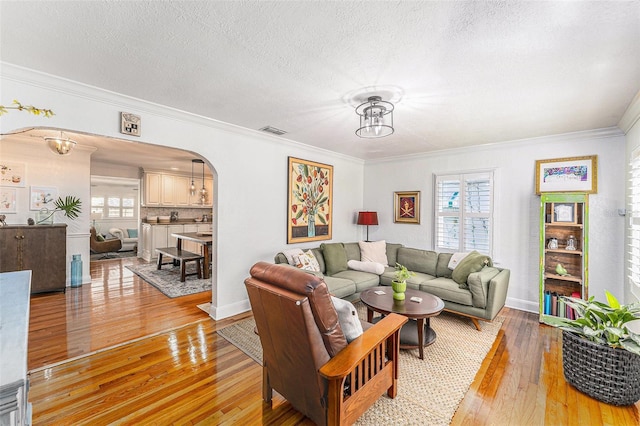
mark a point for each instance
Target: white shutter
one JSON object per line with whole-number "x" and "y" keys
{"x": 633, "y": 231}
{"x": 464, "y": 212}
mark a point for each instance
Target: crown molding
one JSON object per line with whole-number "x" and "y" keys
{"x": 46, "y": 81}
{"x": 607, "y": 132}
{"x": 631, "y": 115}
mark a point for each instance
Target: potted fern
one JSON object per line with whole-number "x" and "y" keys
{"x": 600, "y": 355}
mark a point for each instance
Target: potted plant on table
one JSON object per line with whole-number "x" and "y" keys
{"x": 71, "y": 206}
{"x": 600, "y": 355}
{"x": 399, "y": 284}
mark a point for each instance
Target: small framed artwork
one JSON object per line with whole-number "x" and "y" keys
{"x": 43, "y": 197}
{"x": 406, "y": 207}
{"x": 7, "y": 200}
{"x": 574, "y": 174}
{"x": 310, "y": 201}
{"x": 564, "y": 213}
{"x": 12, "y": 174}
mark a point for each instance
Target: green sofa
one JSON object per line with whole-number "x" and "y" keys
{"x": 481, "y": 297}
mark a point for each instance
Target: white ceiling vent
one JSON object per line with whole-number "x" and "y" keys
{"x": 273, "y": 130}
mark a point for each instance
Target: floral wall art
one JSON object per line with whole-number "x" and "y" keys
{"x": 7, "y": 200}
{"x": 310, "y": 201}
{"x": 43, "y": 197}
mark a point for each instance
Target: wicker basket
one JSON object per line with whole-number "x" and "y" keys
{"x": 610, "y": 375}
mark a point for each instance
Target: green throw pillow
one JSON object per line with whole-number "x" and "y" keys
{"x": 335, "y": 257}
{"x": 473, "y": 262}
{"x": 99, "y": 237}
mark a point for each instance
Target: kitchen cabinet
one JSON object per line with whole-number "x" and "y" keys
{"x": 39, "y": 248}
{"x": 170, "y": 190}
{"x": 155, "y": 236}
{"x": 564, "y": 249}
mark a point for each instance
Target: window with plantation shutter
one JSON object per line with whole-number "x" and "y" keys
{"x": 633, "y": 230}
{"x": 464, "y": 212}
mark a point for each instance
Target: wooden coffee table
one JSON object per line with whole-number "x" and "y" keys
{"x": 414, "y": 334}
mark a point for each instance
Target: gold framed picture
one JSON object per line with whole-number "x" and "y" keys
{"x": 310, "y": 201}
{"x": 406, "y": 207}
{"x": 573, "y": 174}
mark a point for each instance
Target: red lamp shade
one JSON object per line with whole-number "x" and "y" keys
{"x": 367, "y": 218}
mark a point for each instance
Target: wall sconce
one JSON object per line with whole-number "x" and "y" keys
{"x": 367, "y": 218}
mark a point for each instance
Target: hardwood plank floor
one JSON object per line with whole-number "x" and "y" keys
{"x": 188, "y": 375}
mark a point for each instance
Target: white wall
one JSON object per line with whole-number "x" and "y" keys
{"x": 516, "y": 205}
{"x": 250, "y": 170}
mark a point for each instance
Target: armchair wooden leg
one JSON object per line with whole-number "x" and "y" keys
{"x": 267, "y": 392}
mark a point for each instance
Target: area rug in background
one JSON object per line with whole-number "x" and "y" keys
{"x": 167, "y": 279}
{"x": 113, "y": 255}
{"x": 429, "y": 390}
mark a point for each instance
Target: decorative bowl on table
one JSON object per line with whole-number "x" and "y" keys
{"x": 198, "y": 219}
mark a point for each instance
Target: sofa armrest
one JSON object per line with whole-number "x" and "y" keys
{"x": 498, "y": 287}
{"x": 118, "y": 233}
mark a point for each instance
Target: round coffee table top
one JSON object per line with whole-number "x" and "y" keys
{"x": 385, "y": 303}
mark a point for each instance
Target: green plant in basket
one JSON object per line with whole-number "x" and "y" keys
{"x": 399, "y": 284}
{"x": 602, "y": 323}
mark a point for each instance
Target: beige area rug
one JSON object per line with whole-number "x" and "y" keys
{"x": 429, "y": 390}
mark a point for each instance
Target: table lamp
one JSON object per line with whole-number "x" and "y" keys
{"x": 367, "y": 218}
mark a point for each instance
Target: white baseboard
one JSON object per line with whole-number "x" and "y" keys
{"x": 522, "y": 305}
{"x": 221, "y": 312}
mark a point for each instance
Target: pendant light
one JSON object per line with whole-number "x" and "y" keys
{"x": 192, "y": 188}
{"x": 60, "y": 145}
{"x": 203, "y": 191}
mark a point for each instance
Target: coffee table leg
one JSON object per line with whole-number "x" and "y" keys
{"x": 369, "y": 315}
{"x": 420, "y": 324}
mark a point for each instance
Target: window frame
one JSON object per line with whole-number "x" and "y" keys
{"x": 462, "y": 214}
{"x": 632, "y": 226}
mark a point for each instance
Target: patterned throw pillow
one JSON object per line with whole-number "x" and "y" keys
{"x": 307, "y": 261}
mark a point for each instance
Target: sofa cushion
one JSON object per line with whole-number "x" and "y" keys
{"x": 371, "y": 267}
{"x": 335, "y": 257}
{"x": 353, "y": 251}
{"x": 392, "y": 253}
{"x": 348, "y": 318}
{"x": 362, "y": 280}
{"x": 442, "y": 267}
{"x": 340, "y": 287}
{"x": 290, "y": 253}
{"x": 307, "y": 261}
{"x": 417, "y": 260}
{"x": 413, "y": 281}
{"x": 448, "y": 290}
{"x": 473, "y": 262}
{"x": 374, "y": 251}
{"x": 479, "y": 285}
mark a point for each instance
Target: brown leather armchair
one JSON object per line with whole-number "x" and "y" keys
{"x": 106, "y": 246}
{"x": 306, "y": 358}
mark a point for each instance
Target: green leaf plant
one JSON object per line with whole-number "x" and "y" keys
{"x": 402, "y": 273}
{"x": 71, "y": 206}
{"x": 602, "y": 323}
{"x": 29, "y": 108}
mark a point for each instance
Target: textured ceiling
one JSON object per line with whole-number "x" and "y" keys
{"x": 460, "y": 73}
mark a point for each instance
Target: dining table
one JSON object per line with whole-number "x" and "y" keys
{"x": 203, "y": 238}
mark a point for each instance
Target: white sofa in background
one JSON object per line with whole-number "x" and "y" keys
{"x": 128, "y": 243}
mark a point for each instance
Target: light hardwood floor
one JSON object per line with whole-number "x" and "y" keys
{"x": 120, "y": 352}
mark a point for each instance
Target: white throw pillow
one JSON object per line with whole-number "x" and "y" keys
{"x": 307, "y": 261}
{"x": 348, "y": 318}
{"x": 375, "y": 251}
{"x": 289, "y": 254}
{"x": 455, "y": 259}
{"x": 372, "y": 267}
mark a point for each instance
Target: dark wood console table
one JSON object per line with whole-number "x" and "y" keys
{"x": 39, "y": 248}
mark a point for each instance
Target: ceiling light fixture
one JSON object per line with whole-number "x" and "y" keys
{"x": 376, "y": 118}
{"x": 192, "y": 188}
{"x": 60, "y": 145}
